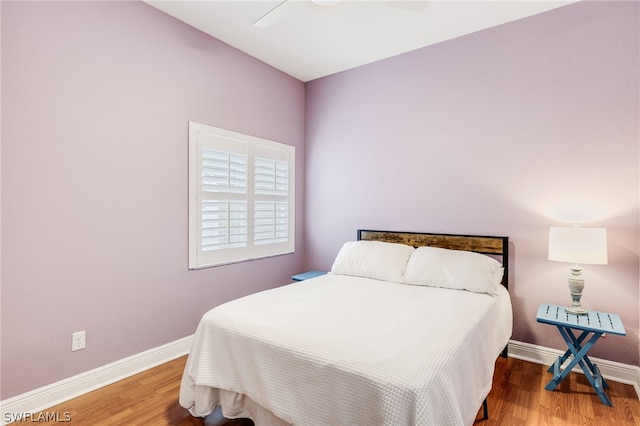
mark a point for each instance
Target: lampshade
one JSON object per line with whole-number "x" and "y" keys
{"x": 578, "y": 245}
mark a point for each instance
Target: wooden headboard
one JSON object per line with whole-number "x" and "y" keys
{"x": 494, "y": 246}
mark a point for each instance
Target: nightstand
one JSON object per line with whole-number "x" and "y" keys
{"x": 591, "y": 327}
{"x": 307, "y": 275}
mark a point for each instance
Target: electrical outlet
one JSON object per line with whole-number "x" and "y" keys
{"x": 77, "y": 340}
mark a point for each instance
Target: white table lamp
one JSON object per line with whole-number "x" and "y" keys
{"x": 578, "y": 246}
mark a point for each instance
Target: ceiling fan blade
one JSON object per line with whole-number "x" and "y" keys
{"x": 274, "y": 15}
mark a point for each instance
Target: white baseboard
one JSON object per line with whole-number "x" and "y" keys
{"x": 611, "y": 370}
{"x": 64, "y": 390}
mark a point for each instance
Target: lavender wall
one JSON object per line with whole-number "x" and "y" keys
{"x": 503, "y": 132}
{"x": 96, "y": 97}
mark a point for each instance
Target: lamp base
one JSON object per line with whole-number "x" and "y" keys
{"x": 576, "y": 310}
{"x": 576, "y": 285}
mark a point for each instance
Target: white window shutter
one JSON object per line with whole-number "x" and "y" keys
{"x": 241, "y": 199}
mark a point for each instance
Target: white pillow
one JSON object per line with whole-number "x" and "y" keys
{"x": 373, "y": 259}
{"x": 456, "y": 269}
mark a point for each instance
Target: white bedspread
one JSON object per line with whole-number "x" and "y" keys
{"x": 338, "y": 350}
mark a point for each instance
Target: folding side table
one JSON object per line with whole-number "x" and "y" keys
{"x": 594, "y": 324}
{"x": 307, "y": 275}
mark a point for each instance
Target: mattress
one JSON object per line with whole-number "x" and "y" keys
{"x": 344, "y": 350}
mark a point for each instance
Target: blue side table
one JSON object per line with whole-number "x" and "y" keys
{"x": 594, "y": 324}
{"x": 307, "y": 275}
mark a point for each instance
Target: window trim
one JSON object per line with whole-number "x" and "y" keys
{"x": 202, "y": 136}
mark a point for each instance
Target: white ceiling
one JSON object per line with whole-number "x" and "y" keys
{"x": 311, "y": 41}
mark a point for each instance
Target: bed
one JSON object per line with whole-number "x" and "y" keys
{"x": 404, "y": 330}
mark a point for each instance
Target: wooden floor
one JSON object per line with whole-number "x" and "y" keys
{"x": 518, "y": 397}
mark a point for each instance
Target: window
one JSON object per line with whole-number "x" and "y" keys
{"x": 241, "y": 197}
